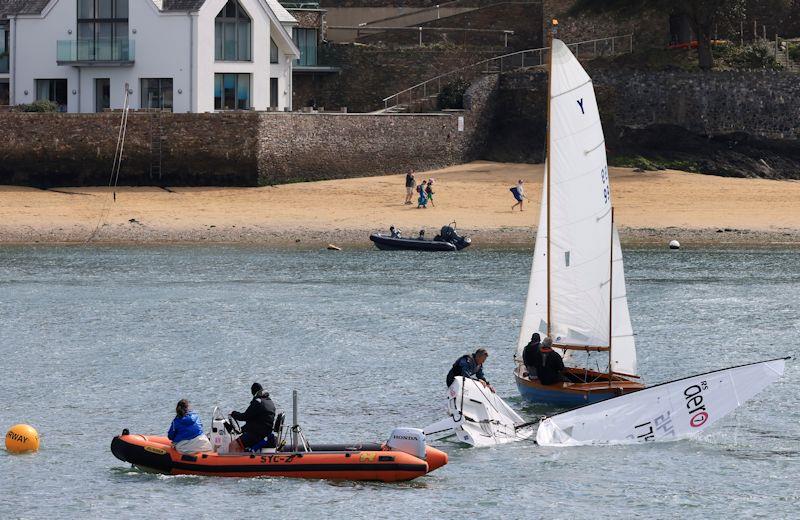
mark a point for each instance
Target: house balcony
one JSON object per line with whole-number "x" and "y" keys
{"x": 117, "y": 52}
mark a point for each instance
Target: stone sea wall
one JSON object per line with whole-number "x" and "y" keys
{"x": 238, "y": 149}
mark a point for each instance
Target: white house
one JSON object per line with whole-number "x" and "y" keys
{"x": 180, "y": 55}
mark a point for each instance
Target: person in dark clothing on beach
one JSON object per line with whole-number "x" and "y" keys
{"x": 548, "y": 365}
{"x": 471, "y": 366}
{"x": 259, "y": 418}
{"x": 411, "y": 182}
{"x": 530, "y": 351}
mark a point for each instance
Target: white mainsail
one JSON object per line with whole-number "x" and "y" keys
{"x": 668, "y": 411}
{"x": 580, "y": 227}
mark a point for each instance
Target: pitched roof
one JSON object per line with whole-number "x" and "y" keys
{"x": 182, "y": 5}
{"x": 9, "y": 7}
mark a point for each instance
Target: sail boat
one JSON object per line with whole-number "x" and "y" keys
{"x": 577, "y": 285}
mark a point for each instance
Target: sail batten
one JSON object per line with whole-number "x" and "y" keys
{"x": 584, "y": 310}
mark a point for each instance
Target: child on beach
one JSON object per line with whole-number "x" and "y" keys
{"x": 519, "y": 194}
{"x": 422, "y": 201}
{"x": 429, "y": 192}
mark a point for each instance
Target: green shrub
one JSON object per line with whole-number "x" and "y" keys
{"x": 794, "y": 51}
{"x": 39, "y": 106}
{"x": 452, "y": 95}
{"x": 756, "y": 56}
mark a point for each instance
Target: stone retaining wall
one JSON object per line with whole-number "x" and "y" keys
{"x": 238, "y": 149}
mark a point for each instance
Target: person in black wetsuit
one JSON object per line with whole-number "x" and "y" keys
{"x": 548, "y": 364}
{"x": 259, "y": 418}
{"x": 530, "y": 351}
{"x": 471, "y": 366}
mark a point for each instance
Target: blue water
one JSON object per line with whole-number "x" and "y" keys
{"x": 96, "y": 339}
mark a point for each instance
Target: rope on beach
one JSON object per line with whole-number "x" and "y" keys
{"x": 115, "y": 167}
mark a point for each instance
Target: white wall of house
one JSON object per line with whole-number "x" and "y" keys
{"x": 176, "y": 45}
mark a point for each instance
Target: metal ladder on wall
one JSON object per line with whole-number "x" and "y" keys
{"x": 156, "y": 144}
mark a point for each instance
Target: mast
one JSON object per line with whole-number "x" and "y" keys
{"x": 610, "y": 294}
{"x": 549, "y": 96}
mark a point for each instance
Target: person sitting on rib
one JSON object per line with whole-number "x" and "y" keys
{"x": 259, "y": 420}
{"x": 471, "y": 366}
{"x": 548, "y": 364}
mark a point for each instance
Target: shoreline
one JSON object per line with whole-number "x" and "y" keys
{"x": 652, "y": 207}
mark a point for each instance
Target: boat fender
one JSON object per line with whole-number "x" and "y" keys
{"x": 408, "y": 440}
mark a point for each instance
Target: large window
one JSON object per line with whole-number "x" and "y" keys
{"x": 3, "y": 50}
{"x": 54, "y": 90}
{"x": 273, "y": 51}
{"x": 102, "y": 94}
{"x": 102, "y": 29}
{"x": 157, "y": 93}
{"x": 232, "y": 33}
{"x": 231, "y": 91}
{"x": 273, "y": 92}
{"x": 306, "y": 40}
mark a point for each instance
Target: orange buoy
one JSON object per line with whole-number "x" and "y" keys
{"x": 22, "y": 438}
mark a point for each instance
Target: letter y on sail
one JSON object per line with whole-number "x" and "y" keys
{"x": 664, "y": 412}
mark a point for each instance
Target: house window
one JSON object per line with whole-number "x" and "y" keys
{"x": 306, "y": 40}
{"x": 102, "y": 30}
{"x": 4, "y": 92}
{"x": 273, "y": 92}
{"x": 157, "y": 93}
{"x": 232, "y": 33}
{"x": 3, "y": 50}
{"x": 273, "y": 51}
{"x": 54, "y": 90}
{"x": 102, "y": 94}
{"x": 231, "y": 91}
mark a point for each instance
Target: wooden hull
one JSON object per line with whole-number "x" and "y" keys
{"x": 568, "y": 394}
{"x": 156, "y": 453}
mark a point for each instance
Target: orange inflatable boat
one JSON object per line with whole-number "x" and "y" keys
{"x": 388, "y": 462}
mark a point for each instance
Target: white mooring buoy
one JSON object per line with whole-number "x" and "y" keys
{"x": 674, "y": 244}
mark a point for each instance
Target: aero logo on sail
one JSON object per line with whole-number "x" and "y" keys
{"x": 694, "y": 403}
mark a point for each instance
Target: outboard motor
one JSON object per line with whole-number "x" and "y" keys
{"x": 448, "y": 234}
{"x": 221, "y": 432}
{"x": 408, "y": 440}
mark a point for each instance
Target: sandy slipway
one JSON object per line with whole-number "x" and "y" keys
{"x": 650, "y": 208}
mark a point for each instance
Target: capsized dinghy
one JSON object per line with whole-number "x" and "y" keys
{"x": 478, "y": 417}
{"x": 664, "y": 412}
{"x": 405, "y": 456}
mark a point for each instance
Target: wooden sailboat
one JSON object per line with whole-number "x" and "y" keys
{"x": 577, "y": 286}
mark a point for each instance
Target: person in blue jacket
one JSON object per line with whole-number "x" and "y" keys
{"x": 471, "y": 366}
{"x": 186, "y": 430}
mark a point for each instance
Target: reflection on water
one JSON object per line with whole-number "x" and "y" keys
{"x": 95, "y": 339}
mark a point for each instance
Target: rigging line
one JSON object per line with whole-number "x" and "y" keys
{"x": 117, "y": 151}
{"x": 587, "y": 82}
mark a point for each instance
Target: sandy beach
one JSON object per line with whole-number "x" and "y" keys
{"x": 650, "y": 207}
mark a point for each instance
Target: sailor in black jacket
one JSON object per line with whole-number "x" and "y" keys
{"x": 259, "y": 417}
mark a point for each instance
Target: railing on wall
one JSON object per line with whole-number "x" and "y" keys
{"x": 502, "y": 34}
{"x": 530, "y": 58}
{"x": 107, "y": 50}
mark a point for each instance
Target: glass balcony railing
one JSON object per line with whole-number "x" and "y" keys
{"x": 117, "y": 50}
{"x": 4, "y": 63}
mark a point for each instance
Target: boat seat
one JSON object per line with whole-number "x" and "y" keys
{"x": 269, "y": 442}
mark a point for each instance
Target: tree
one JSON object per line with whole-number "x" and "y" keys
{"x": 704, "y": 16}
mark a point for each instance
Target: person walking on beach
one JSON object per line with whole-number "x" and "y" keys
{"x": 410, "y": 183}
{"x": 429, "y": 192}
{"x": 519, "y": 194}
{"x": 422, "y": 201}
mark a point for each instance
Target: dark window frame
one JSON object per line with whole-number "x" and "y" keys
{"x": 164, "y": 85}
{"x": 5, "y": 53}
{"x": 219, "y": 100}
{"x": 53, "y": 92}
{"x": 274, "y": 87}
{"x": 300, "y": 36}
{"x": 223, "y": 22}
{"x": 274, "y": 52}
{"x": 117, "y": 48}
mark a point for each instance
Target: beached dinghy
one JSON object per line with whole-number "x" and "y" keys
{"x": 405, "y": 456}
{"x": 478, "y": 417}
{"x": 664, "y": 412}
{"x": 576, "y": 293}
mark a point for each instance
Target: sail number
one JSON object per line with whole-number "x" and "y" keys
{"x": 606, "y": 186}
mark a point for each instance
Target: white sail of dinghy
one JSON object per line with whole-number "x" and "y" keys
{"x": 664, "y": 412}
{"x": 580, "y": 224}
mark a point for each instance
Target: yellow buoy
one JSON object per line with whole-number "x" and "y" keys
{"x": 22, "y": 438}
